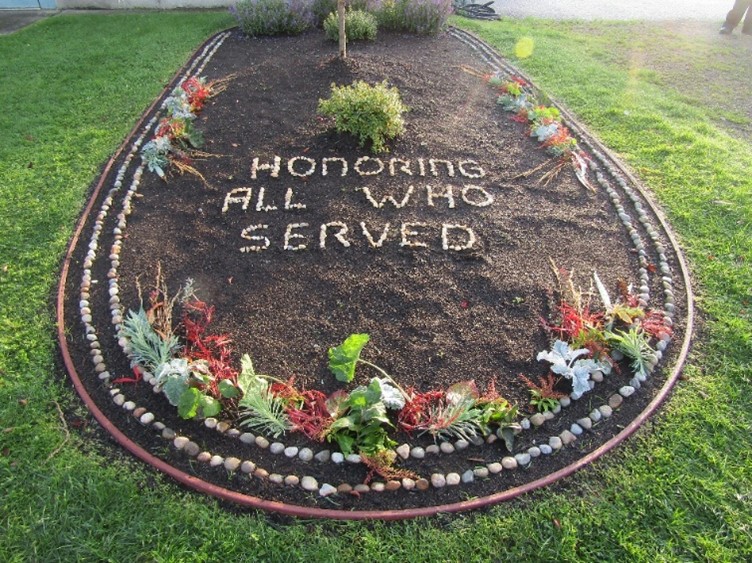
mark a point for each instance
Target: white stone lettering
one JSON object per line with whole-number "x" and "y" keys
{"x": 407, "y": 232}
{"x": 232, "y": 198}
{"x": 339, "y": 235}
{"x": 468, "y": 235}
{"x": 325, "y": 165}
{"x": 447, "y": 194}
{"x": 246, "y": 234}
{"x": 288, "y": 201}
{"x": 477, "y": 172}
{"x": 485, "y": 200}
{"x": 390, "y": 198}
{"x": 404, "y": 166}
{"x": 375, "y": 243}
{"x": 309, "y": 172}
{"x": 435, "y": 170}
{"x": 363, "y": 161}
{"x": 257, "y": 166}
{"x": 260, "y": 203}
{"x": 290, "y": 235}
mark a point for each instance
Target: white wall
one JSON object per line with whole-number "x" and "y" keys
{"x": 154, "y": 4}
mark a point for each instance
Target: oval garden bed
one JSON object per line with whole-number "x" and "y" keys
{"x": 291, "y": 321}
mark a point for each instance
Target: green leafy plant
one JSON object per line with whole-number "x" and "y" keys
{"x": 543, "y": 396}
{"x": 359, "y": 26}
{"x": 361, "y": 424}
{"x": 260, "y": 409}
{"x": 370, "y": 113}
{"x": 187, "y": 385}
{"x": 444, "y": 415}
{"x": 635, "y": 344}
{"x": 147, "y": 348}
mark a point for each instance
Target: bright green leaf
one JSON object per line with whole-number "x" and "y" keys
{"x": 189, "y": 403}
{"x": 343, "y": 358}
{"x": 227, "y": 389}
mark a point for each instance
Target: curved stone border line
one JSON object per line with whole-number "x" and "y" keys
{"x": 440, "y": 480}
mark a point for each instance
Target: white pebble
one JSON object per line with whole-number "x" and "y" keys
{"x": 309, "y": 483}
{"x": 438, "y": 480}
{"x": 522, "y": 459}
{"x": 146, "y": 418}
{"x": 494, "y": 467}
{"x": 509, "y": 463}
{"x": 291, "y": 451}
{"x": 337, "y": 457}
{"x": 232, "y": 463}
{"x": 305, "y": 454}
{"x": 545, "y": 449}
{"x": 446, "y": 448}
{"x": 403, "y": 451}
{"x": 247, "y": 438}
{"x": 453, "y": 479}
{"x": 216, "y": 460}
{"x": 327, "y": 489}
{"x": 353, "y": 458}
{"x": 468, "y": 476}
{"x": 534, "y": 451}
{"x": 323, "y": 456}
{"x": 418, "y": 453}
{"x": 555, "y": 442}
{"x": 276, "y": 448}
{"x": 180, "y": 442}
{"x": 576, "y": 429}
{"x": 627, "y": 391}
{"x": 480, "y": 472}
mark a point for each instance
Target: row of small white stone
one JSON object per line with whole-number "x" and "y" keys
{"x": 90, "y": 330}
{"x": 405, "y": 451}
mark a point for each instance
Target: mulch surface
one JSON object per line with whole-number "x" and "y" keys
{"x": 435, "y": 316}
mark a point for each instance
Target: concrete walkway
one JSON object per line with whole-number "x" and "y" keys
{"x": 615, "y": 10}
{"x": 13, "y": 20}
{"x": 714, "y": 10}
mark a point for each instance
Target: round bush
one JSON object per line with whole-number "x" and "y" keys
{"x": 359, "y": 26}
{"x": 370, "y": 113}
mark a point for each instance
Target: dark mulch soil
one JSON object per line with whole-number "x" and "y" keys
{"x": 435, "y": 316}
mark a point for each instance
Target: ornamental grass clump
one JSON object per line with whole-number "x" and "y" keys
{"x": 426, "y": 17}
{"x": 359, "y": 26}
{"x": 370, "y": 113}
{"x": 272, "y": 17}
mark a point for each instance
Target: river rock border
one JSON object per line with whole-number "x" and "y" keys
{"x": 630, "y": 203}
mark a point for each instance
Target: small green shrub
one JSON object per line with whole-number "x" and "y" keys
{"x": 359, "y": 26}
{"x": 391, "y": 14}
{"x": 321, "y": 9}
{"x": 371, "y": 113}
{"x": 272, "y": 17}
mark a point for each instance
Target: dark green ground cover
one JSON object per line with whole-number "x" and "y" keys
{"x": 680, "y": 490}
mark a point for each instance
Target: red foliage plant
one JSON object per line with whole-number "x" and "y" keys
{"x": 310, "y": 414}
{"x": 575, "y": 322}
{"x": 197, "y": 93}
{"x": 215, "y": 349}
{"x": 415, "y": 414}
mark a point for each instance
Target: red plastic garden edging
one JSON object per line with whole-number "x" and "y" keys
{"x": 306, "y": 512}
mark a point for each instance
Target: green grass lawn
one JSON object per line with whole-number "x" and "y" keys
{"x": 681, "y": 489}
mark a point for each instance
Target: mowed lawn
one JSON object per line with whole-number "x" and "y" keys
{"x": 671, "y": 102}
